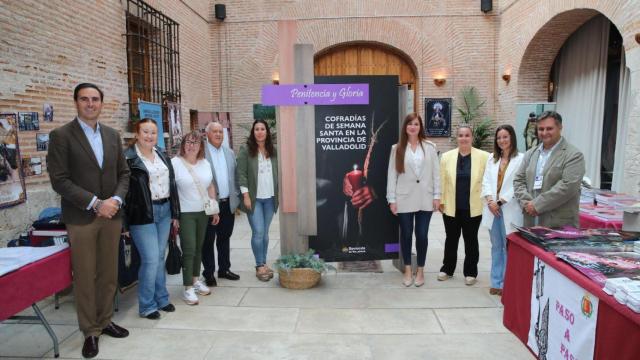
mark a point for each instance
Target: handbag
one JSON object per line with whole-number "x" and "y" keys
{"x": 210, "y": 205}
{"x": 174, "y": 258}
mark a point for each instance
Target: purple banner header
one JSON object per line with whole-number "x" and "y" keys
{"x": 315, "y": 94}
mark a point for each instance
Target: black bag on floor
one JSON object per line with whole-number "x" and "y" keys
{"x": 128, "y": 264}
{"x": 174, "y": 258}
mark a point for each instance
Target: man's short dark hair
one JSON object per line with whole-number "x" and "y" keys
{"x": 550, "y": 114}
{"x": 84, "y": 86}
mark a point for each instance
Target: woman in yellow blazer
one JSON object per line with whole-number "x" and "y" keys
{"x": 461, "y": 173}
{"x": 413, "y": 191}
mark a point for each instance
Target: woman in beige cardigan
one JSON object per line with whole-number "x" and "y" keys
{"x": 413, "y": 191}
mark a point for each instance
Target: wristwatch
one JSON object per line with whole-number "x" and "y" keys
{"x": 499, "y": 202}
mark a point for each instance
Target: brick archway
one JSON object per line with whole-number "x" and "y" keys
{"x": 367, "y": 58}
{"x": 539, "y": 55}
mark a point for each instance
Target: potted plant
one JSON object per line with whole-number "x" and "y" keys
{"x": 300, "y": 271}
{"x": 472, "y": 114}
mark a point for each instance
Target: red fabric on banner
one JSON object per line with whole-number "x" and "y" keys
{"x": 592, "y": 222}
{"x": 617, "y": 329}
{"x": 34, "y": 282}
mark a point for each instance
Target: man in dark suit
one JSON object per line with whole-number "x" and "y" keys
{"x": 223, "y": 167}
{"x": 87, "y": 168}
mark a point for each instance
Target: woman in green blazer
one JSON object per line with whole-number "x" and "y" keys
{"x": 258, "y": 177}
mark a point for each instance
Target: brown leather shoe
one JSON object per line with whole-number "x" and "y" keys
{"x": 494, "y": 291}
{"x": 90, "y": 347}
{"x": 115, "y": 331}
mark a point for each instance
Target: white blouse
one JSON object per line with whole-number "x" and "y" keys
{"x": 158, "y": 175}
{"x": 415, "y": 158}
{"x": 265, "y": 178}
{"x": 190, "y": 197}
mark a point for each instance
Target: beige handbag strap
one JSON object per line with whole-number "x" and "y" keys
{"x": 195, "y": 179}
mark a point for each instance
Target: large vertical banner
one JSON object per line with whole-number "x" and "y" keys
{"x": 563, "y": 316}
{"x": 353, "y": 143}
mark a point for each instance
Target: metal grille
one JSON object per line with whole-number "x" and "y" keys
{"x": 153, "y": 59}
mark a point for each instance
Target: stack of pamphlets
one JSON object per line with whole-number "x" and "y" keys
{"x": 568, "y": 238}
{"x": 601, "y": 266}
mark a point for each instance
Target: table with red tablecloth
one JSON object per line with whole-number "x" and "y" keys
{"x": 617, "y": 329}
{"x": 33, "y": 282}
{"x": 593, "y": 222}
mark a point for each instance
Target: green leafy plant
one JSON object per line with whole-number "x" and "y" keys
{"x": 307, "y": 260}
{"x": 473, "y": 115}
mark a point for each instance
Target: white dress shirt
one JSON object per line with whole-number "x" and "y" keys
{"x": 219, "y": 163}
{"x": 416, "y": 158}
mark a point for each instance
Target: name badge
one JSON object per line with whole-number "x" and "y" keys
{"x": 537, "y": 184}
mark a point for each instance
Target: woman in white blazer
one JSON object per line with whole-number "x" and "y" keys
{"x": 413, "y": 191}
{"x": 501, "y": 209}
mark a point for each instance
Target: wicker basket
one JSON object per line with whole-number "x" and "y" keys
{"x": 304, "y": 278}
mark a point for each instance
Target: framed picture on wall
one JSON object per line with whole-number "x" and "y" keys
{"x": 437, "y": 117}
{"x": 32, "y": 166}
{"x": 28, "y": 121}
{"x": 12, "y": 186}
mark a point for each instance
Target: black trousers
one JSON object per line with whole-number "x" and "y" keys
{"x": 220, "y": 235}
{"x": 468, "y": 226}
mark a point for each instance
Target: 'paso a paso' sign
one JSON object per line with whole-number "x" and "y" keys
{"x": 315, "y": 94}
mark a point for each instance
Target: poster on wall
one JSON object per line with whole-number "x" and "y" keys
{"x": 437, "y": 117}
{"x": 28, "y": 121}
{"x": 353, "y": 143}
{"x": 563, "y": 316}
{"x": 153, "y": 111}
{"x": 47, "y": 112}
{"x": 175, "y": 125}
{"x": 42, "y": 141}
{"x": 526, "y": 115}
{"x": 32, "y": 166}
{"x": 12, "y": 187}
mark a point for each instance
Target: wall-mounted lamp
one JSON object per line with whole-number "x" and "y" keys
{"x": 439, "y": 81}
{"x": 506, "y": 78}
{"x": 275, "y": 78}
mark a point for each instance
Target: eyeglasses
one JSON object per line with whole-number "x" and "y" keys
{"x": 189, "y": 142}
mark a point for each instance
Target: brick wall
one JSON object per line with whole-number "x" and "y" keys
{"x": 48, "y": 47}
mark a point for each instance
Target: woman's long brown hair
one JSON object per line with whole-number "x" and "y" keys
{"x": 252, "y": 144}
{"x": 404, "y": 139}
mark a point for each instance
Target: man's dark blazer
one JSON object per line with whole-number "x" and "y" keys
{"x": 76, "y": 175}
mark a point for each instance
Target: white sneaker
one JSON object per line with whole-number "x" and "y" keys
{"x": 469, "y": 280}
{"x": 443, "y": 276}
{"x": 201, "y": 288}
{"x": 189, "y": 296}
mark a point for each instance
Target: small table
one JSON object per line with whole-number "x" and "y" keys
{"x": 33, "y": 282}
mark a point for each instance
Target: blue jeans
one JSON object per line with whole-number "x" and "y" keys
{"x": 422, "y": 219}
{"x": 260, "y": 220}
{"x": 151, "y": 241}
{"x": 498, "y": 236}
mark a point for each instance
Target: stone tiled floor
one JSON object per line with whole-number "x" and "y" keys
{"x": 348, "y": 316}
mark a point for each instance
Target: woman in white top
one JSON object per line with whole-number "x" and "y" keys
{"x": 413, "y": 191}
{"x": 500, "y": 209}
{"x": 257, "y": 173}
{"x": 194, "y": 179}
